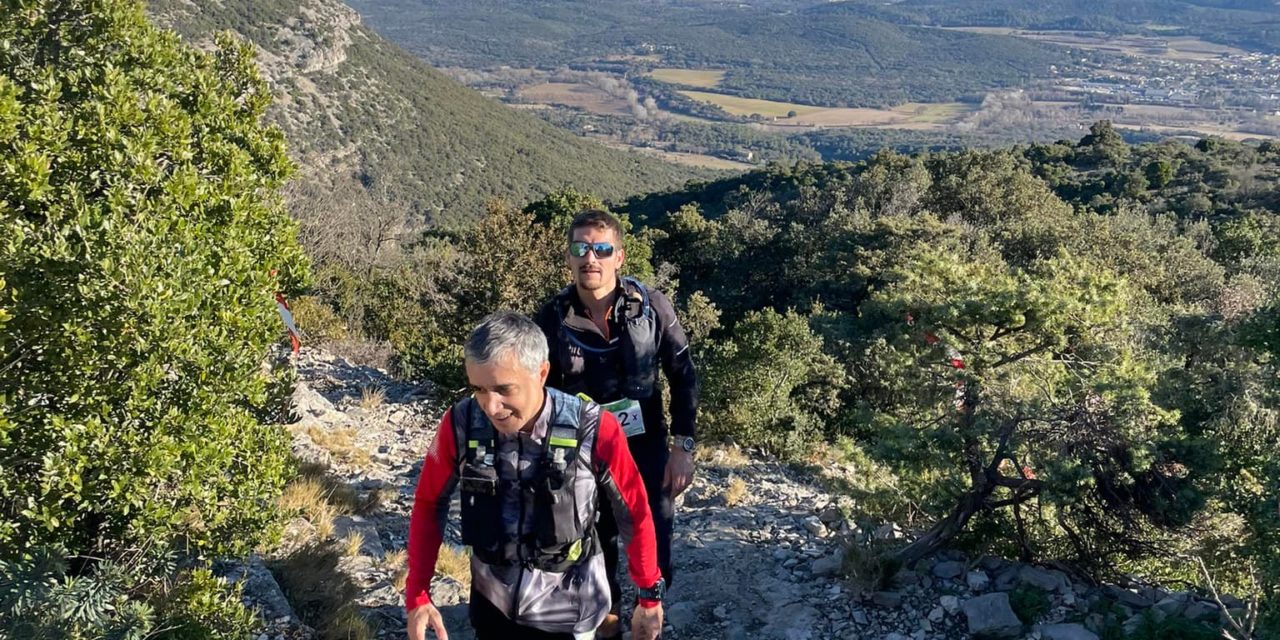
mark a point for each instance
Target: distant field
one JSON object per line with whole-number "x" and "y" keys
{"x": 1152, "y": 111}
{"x": 913, "y": 115}
{"x": 630, "y": 57}
{"x": 690, "y": 159}
{"x": 706, "y": 78}
{"x": 1202, "y": 129}
{"x": 1173, "y": 48}
{"x": 739, "y": 106}
{"x": 576, "y": 95}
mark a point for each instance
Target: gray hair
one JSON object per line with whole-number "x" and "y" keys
{"x": 507, "y": 332}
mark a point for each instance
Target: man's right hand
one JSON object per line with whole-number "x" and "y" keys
{"x": 421, "y": 618}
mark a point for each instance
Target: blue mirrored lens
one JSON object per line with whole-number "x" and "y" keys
{"x": 579, "y": 249}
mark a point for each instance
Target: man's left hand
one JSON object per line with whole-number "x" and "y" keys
{"x": 679, "y": 474}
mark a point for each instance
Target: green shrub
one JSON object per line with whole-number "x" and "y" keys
{"x": 318, "y": 320}
{"x": 870, "y": 565}
{"x": 1171, "y": 628}
{"x": 141, "y": 239}
{"x": 202, "y": 607}
{"x": 1029, "y": 603}
{"x": 42, "y": 598}
{"x": 771, "y": 385}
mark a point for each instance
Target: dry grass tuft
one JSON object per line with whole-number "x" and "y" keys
{"x": 308, "y": 498}
{"x": 324, "y": 529}
{"x": 736, "y": 492}
{"x": 870, "y": 566}
{"x": 455, "y": 562}
{"x": 319, "y": 497}
{"x": 397, "y": 562}
{"x": 340, "y": 443}
{"x": 372, "y": 397}
{"x": 320, "y": 594}
{"x": 347, "y": 624}
{"x": 352, "y": 543}
{"x": 728, "y": 457}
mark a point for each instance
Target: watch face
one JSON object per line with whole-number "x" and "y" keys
{"x": 687, "y": 444}
{"x": 656, "y": 592}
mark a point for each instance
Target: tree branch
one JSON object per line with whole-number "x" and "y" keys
{"x": 1021, "y": 354}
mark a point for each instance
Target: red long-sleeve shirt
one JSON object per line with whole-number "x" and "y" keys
{"x": 439, "y": 477}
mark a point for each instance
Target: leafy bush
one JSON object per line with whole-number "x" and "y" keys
{"x": 141, "y": 240}
{"x": 771, "y": 385}
{"x": 42, "y": 598}
{"x": 1034, "y": 340}
{"x": 318, "y": 321}
{"x": 202, "y": 607}
{"x": 1172, "y": 628}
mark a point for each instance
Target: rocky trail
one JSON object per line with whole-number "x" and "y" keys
{"x": 759, "y": 547}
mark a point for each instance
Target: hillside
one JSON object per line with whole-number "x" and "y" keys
{"x": 1245, "y": 23}
{"x": 372, "y": 126}
{"x": 767, "y": 52}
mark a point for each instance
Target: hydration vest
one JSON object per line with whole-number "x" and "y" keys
{"x": 638, "y": 344}
{"x": 560, "y": 493}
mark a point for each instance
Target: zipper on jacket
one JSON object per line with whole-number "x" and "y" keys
{"x": 515, "y": 596}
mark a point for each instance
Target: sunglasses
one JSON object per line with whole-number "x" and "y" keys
{"x": 601, "y": 249}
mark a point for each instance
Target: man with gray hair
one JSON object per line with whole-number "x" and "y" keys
{"x": 529, "y": 460}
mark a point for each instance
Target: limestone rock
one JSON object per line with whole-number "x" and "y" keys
{"x": 991, "y": 616}
{"x": 828, "y": 565}
{"x": 682, "y": 614}
{"x": 949, "y": 570}
{"x": 1199, "y": 610}
{"x": 1044, "y": 579}
{"x": 977, "y": 580}
{"x": 950, "y": 604}
{"x": 371, "y": 543}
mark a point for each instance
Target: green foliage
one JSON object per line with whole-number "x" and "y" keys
{"x": 1029, "y": 603}
{"x": 141, "y": 239}
{"x": 771, "y": 386}
{"x": 202, "y": 607}
{"x": 318, "y": 320}
{"x": 1116, "y": 404}
{"x": 1172, "y": 628}
{"x": 43, "y": 597}
{"x": 505, "y": 260}
{"x": 558, "y": 208}
{"x": 869, "y": 565}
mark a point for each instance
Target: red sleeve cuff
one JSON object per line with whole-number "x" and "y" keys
{"x": 646, "y": 603}
{"x": 411, "y": 603}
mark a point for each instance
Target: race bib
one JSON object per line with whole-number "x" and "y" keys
{"x": 629, "y": 416}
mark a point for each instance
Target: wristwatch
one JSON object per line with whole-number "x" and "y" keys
{"x": 655, "y": 592}
{"x": 687, "y": 443}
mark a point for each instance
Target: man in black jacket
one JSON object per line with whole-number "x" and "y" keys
{"x": 608, "y": 336}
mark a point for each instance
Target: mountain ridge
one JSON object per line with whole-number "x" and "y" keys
{"x": 371, "y": 126}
